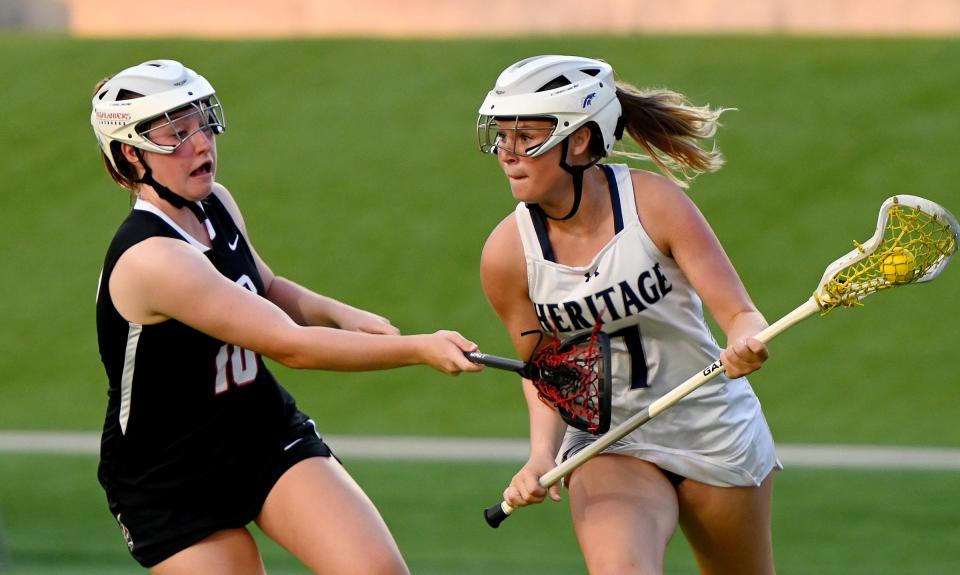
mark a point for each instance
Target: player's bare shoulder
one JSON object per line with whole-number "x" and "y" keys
{"x": 663, "y": 206}
{"x": 503, "y": 242}
{"x": 655, "y": 193}
{"x": 502, "y": 261}
{"x": 155, "y": 265}
{"x": 226, "y": 198}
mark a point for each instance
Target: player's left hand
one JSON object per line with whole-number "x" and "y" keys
{"x": 354, "y": 319}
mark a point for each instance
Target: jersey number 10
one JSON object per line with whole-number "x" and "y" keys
{"x": 235, "y": 364}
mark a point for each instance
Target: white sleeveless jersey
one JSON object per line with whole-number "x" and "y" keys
{"x": 717, "y": 434}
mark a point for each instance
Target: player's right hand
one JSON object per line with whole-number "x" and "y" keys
{"x": 525, "y": 488}
{"x": 444, "y": 351}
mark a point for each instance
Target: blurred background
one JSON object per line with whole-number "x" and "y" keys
{"x": 351, "y": 149}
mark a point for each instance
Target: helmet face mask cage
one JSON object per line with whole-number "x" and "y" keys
{"x": 179, "y": 125}
{"x": 569, "y": 91}
{"x": 496, "y": 133}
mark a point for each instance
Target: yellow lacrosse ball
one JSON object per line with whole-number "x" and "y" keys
{"x": 898, "y": 266}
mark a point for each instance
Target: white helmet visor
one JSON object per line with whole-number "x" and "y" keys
{"x": 518, "y": 135}
{"x": 171, "y": 129}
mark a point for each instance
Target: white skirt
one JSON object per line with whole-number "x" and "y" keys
{"x": 716, "y": 435}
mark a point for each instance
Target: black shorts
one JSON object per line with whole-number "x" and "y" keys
{"x": 157, "y": 533}
{"x": 674, "y": 478}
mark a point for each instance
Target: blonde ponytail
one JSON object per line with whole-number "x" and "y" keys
{"x": 667, "y": 126}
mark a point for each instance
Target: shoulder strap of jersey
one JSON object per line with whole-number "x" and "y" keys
{"x": 143, "y": 206}
{"x": 619, "y": 176}
{"x": 533, "y": 232}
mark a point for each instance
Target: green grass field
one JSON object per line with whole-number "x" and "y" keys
{"x": 355, "y": 163}
{"x": 826, "y": 522}
{"x": 359, "y": 177}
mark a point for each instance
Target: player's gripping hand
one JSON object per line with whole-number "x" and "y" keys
{"x": 443, "y": 351}
{"x": 743, "y": 356}
{"x": 525, "y": 488}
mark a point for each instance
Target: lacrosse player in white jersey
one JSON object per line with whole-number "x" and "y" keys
{"x": 595, "y": 243}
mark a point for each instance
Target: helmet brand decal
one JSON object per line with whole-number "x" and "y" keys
{"x": 124, "y": 116}
{"x": 589, "y": 99}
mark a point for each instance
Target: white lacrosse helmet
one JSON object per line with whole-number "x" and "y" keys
{"x": 163, "y": 86}
{"x": 569, "y": 90}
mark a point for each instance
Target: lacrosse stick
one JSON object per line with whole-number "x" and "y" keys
{"x": 571, "y": 376}
{"x": 914, "y": 241}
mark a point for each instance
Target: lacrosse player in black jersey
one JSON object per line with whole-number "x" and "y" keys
{"x": 199, "y": 439}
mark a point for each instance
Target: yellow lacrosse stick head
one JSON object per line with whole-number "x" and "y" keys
{"x": 914, "y": 242}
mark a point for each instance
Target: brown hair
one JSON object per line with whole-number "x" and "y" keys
{"x": 124, "y": 173}
{"x": 667, "y": 126}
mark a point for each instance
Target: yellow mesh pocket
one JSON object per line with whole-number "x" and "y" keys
{"x": 913, "y": 244}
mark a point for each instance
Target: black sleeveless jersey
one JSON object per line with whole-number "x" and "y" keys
{"x": 191, "y": 420}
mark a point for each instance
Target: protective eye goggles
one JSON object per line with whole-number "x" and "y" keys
{"x": 174, "y": 128}
{"x": 520, "y": 136}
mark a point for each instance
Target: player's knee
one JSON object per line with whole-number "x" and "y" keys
{"x": 390, "y": 564}
{"x": 373, "y": 562}
{"x": 385, "y": 566}
{"x": 620, "y": 560}
{"x": 625, "y": 566}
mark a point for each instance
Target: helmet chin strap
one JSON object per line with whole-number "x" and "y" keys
{"x": 577, "y": 173}
{"x": 165, "y": 193}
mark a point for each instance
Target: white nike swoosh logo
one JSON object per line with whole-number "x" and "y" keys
{"x": 233, "y": 244}
{"x": 287, "y": 448}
